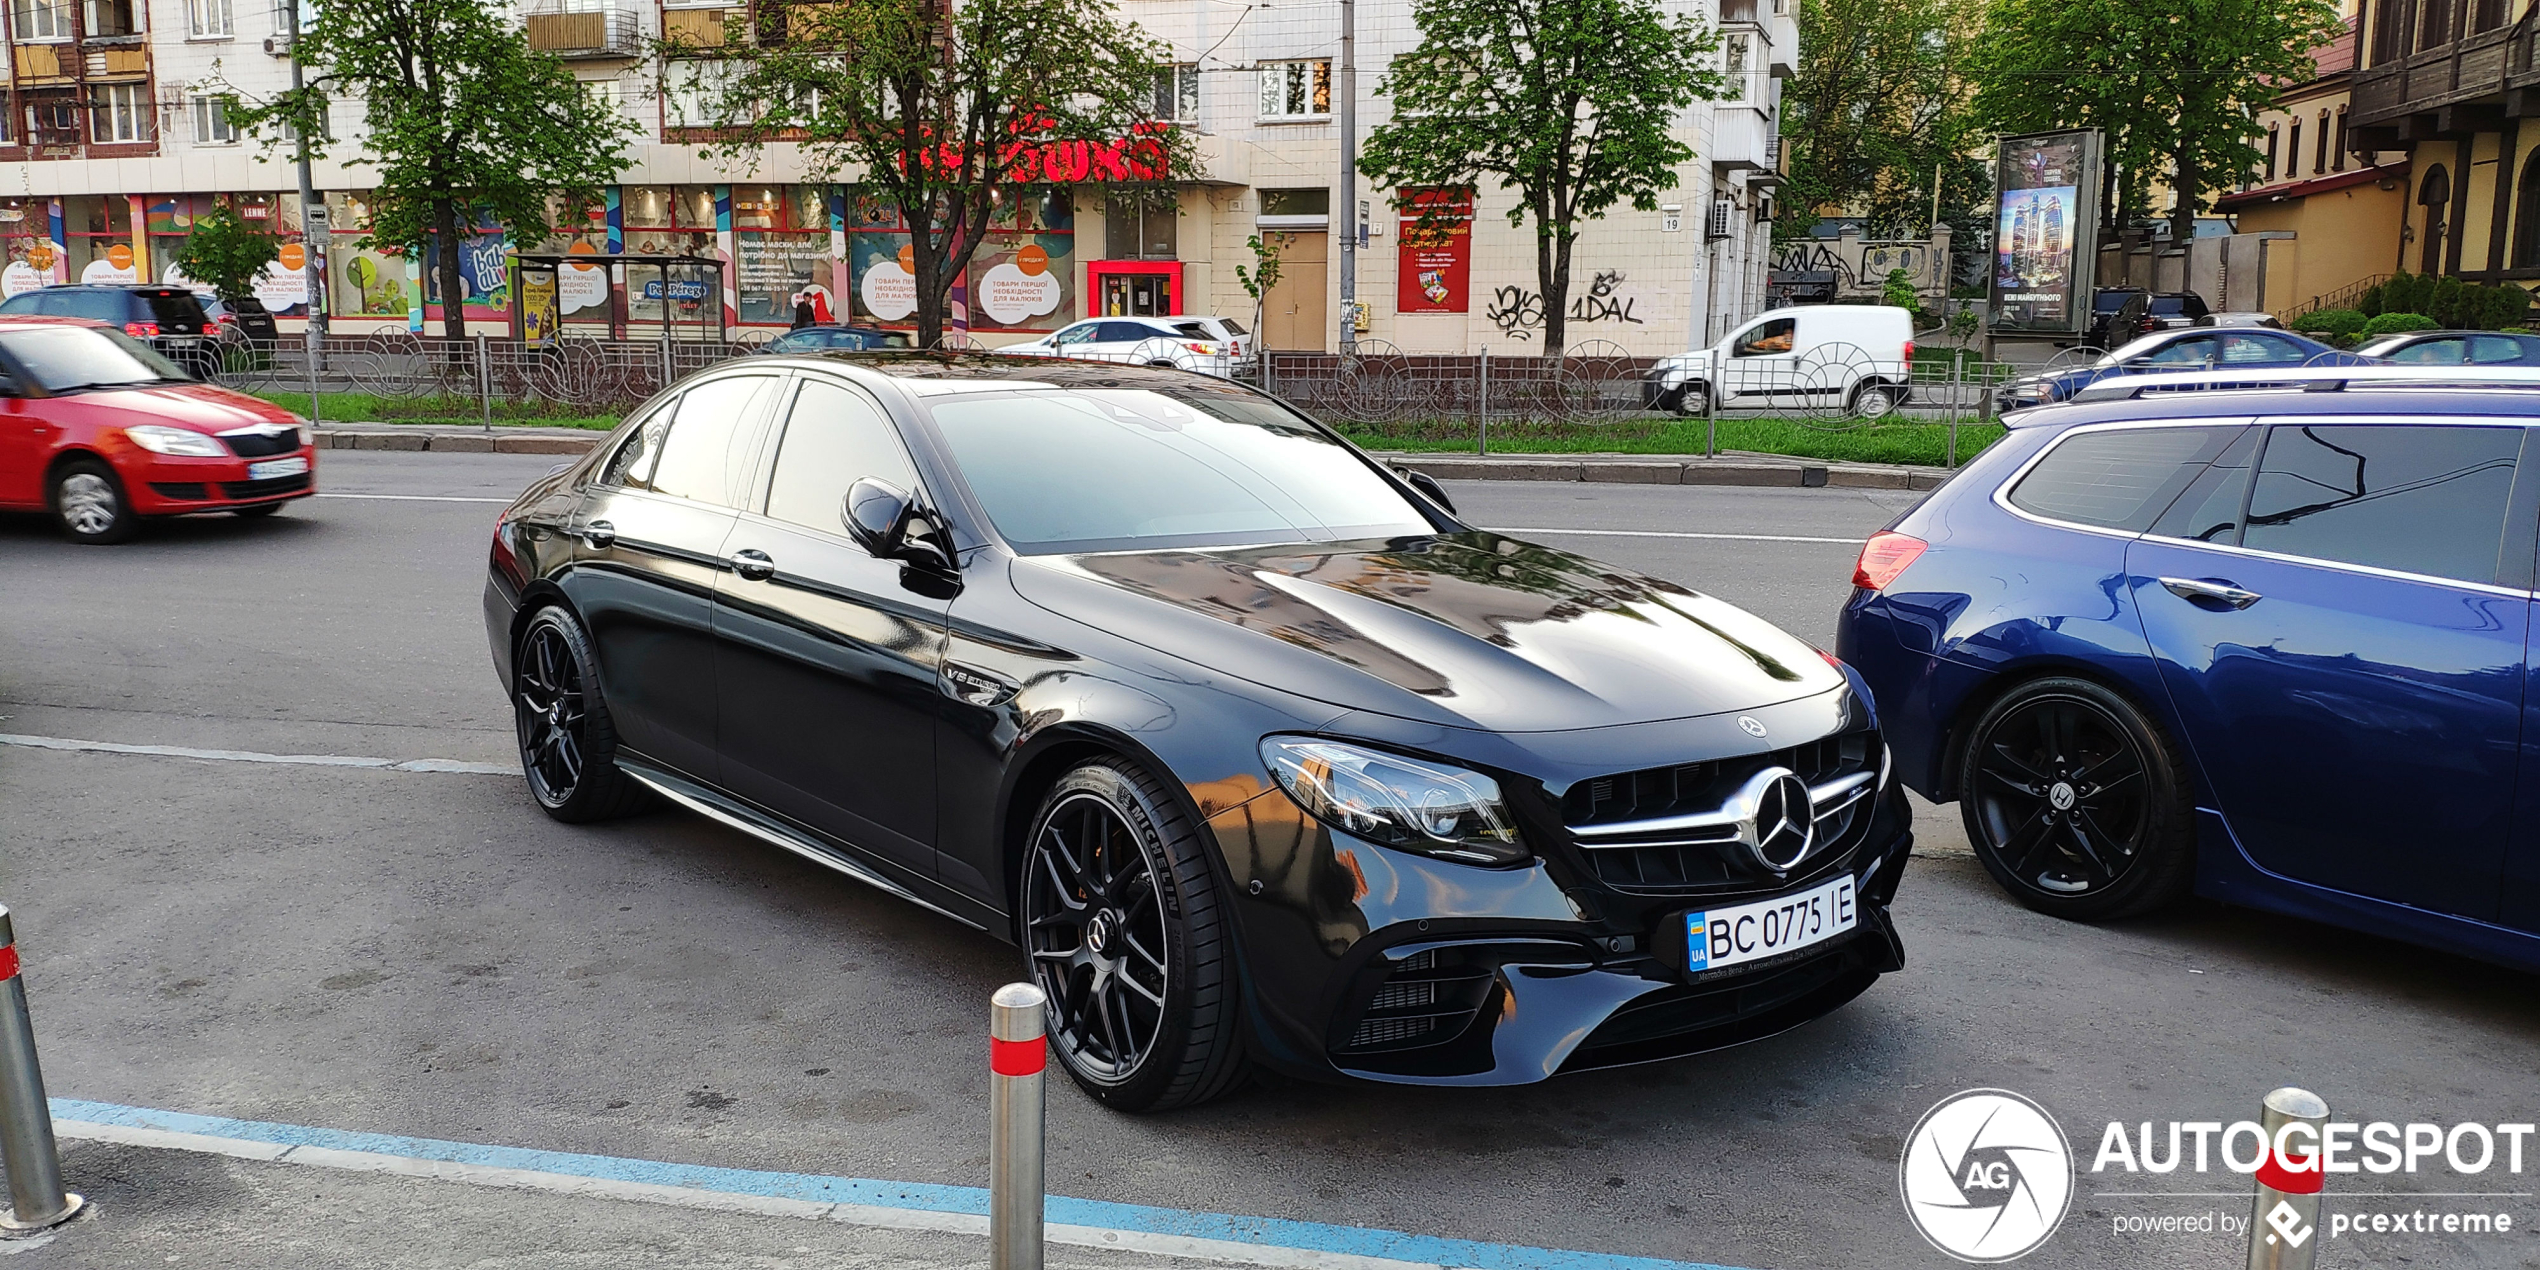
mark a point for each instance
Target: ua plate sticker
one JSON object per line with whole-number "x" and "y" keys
{"x": 1767, "y": 928}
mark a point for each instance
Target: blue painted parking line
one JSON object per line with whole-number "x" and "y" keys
{"x": 1213, "y": 1235}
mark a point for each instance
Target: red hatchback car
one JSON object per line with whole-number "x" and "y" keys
{"x": 102, "y": 432}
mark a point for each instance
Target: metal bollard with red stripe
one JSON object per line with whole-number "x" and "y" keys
{"x": 2284, "y": 1224}
{"x": 36, "y": 1198}
{"x": 1018, "y": 1054}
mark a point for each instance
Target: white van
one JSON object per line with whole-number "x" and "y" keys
{"x": 1812, "y": 355}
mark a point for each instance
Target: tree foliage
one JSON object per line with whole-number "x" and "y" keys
{"x": 1570, "y": 103}
{"x": 1875, "y": 108}
{"x": 225, "y": 253}
{"x": 2175, "y": 85}
{"x": 946, "y": 111}
{"x": 462, "y": 122}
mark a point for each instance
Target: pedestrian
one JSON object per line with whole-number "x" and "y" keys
{"x": 803, "y": 315}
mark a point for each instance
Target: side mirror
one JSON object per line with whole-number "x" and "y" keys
{"x": 885, "y": 521}
{"x": 1429, "y": 486}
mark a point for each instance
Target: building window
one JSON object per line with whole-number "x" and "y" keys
{"x": 1141, "y": 227}
{"x": 2437, "y": 29}
{"x": 2272, "y": 138}
{"x": 1296, "y": 90}
{"x": 2390, "y": 31}
{"x": 39, "y": 20}
{"x": 695, "y": 93}
{"x": 2337, "y": 153}
{"x": 211, "y": 120}
{"x": 118, "y": 114}
{"x": 2489, "y": 15}
{"x": 207, "y": 19}
{"x": 1177, "y": 93}
{"x": 1737, "y": 56}
{"x": 109, "y": 18}
{"x": 2293, "y": 149}
{"x": 2319, "y": 160}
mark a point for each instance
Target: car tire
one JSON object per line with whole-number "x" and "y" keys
{"x": 1690, "y": 400}
{"x": 1876, "y": 399}
{"x": 258, "y": 511}
{"x": 2076, "y": 803}
{"x": 568, "y": 743}
{"x": 88, "y": 503}
{"x": 1112, "y": 867}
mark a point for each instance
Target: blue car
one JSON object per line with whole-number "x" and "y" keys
{"x": 2268, "y": 644}
{"x": 2190, "y": 348}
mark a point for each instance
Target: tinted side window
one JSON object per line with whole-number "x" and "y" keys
{"x": 1772, "y": 337}
{"x": 2210, "y": 509}
{"x": 703, "y": 457}
{"x": 633, "y": 462}
{"x": 176, "y": 309}
{"x": 23, "y": 302}
{"x": 2442, "y": 352}
{"x": 2496, "y": 350}
{"x": 1125, "y": 332}
{"x": 104, "y": 306}
{"x": 2243, "y": 348}
{"x": 2195, "y": 350}
{"x": 835, "y": 437}
{"x": 2418, "y": 499}
{"x": 2119, "y": 479}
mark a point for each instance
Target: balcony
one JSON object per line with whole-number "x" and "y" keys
{"x": 578, "y": 31}
{"x": 705, "y": 28}
{"x": 2444, "y": 91}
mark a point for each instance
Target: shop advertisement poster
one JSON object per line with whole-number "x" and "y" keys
{"x": 582, "y": 284}
{"x": 886, "y": 280}
{"x": 773, "y": 268}
{"x": 1434, "y": 255}
{"x": 114, "y": 268}
{"x": 1029, "y": 284}
{"x": 2045, "y": 231}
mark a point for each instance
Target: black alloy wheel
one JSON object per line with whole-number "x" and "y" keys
{"x": 2073, "y": 802}
{"x": 568, "y": 746}
{"x": 1126, "y": 937}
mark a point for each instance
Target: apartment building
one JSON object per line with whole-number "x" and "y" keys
{"x": 115, "y": 138}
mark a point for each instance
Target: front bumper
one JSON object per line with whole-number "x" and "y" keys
{"x": 172, "y": 485}
{"x": 1386, "y": 965}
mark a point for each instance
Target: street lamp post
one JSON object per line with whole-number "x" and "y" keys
{"x": 1345, "y": 87}
{"x": 313, "y": 224}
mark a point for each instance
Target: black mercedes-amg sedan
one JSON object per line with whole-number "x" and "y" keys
{"x": 1260, "y": 753}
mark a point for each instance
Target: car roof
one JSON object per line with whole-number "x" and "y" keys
{"x": 929, "y": 373}
{"x": 47, "y": 319}
{"x": 2426, "y": 402}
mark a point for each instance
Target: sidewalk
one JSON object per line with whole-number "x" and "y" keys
{"x": 1732, "y": 467}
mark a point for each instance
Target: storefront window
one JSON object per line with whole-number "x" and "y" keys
{"x": 26, "y": 237}
{"x": 1020, "y": 279}
{"x": 1141, "y": 225}
{"x": 646, "y": 207}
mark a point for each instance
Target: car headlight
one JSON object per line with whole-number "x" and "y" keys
{"x": 1446, "y": 812}
{"x": 158, "y": 439}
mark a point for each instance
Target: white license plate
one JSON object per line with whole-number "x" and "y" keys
{"x": 1768, "y": 928}
{"x": 272, "y": 468}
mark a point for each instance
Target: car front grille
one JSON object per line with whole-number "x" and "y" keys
{"x": 257, "y": 445}
{"x": 190, "y": 491}
{"x": 266, "y": 488}
{"x": 1632, "y": 827}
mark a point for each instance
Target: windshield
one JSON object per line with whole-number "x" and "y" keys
{"x": 1113, "y": 469}
{"x": 68, "y": 358}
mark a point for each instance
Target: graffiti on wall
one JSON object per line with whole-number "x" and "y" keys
{"x": 1516, "y": 310}
{"x": 1602, "y": 303}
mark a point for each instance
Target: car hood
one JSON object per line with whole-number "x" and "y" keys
{"x": 1469, "y": 630}
{"x": 202, "y": 407}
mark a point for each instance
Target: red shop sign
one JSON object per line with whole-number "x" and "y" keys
{"x": 1434, "y": 255}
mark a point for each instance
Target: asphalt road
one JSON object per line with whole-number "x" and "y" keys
{"x": 423, "y": 953}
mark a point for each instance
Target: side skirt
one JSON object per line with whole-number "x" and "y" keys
{"x": 714, "y": 806}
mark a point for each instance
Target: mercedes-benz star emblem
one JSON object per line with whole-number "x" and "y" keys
{"x": 1782, "y": 829}
{"x": 1753, "y": 726}
{"x": 1098, "y": 932}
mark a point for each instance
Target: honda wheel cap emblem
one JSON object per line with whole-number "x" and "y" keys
{"x": 1754, "y": 728}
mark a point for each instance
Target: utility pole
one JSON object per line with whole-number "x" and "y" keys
{"x": 313, "y": 224}
{"x": 1346, "y": 88}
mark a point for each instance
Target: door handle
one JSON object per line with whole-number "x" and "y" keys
{"x": 2208, "y": 589}
{"x": 600, "y": 534}
{"x": 753, "y": 564}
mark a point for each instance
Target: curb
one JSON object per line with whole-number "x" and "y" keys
{"x": 1669, "y": 470}
{"x": 1616, "y": 470}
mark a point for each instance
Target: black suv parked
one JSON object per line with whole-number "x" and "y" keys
{"x": 168, "y": 319}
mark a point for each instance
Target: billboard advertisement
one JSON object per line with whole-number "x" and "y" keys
{"x": 2045, "y": 232}
{"x": 1435, "y": 255}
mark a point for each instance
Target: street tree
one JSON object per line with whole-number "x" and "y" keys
{"x": 225, "y": 253}
{"x": 947, "y": 111}
{"x": 462, "y": 122}
{"x": 1570, "y": 103}
{"x": 1875, "y": 109}
{"x": 2174, "y": 85}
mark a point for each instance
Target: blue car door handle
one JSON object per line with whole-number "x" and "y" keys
{"x": 2211, "y": 589}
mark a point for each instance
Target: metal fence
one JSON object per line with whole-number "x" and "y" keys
{"x": 1596, "y": 389}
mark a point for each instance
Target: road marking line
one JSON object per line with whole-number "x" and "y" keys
{"x": 960, "y": 1210}
{"x": 1667, "y": 533}
{"x": 421, "y": 498}
{"x": 250, "y": 756}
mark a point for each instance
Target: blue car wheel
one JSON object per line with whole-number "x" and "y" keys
{"x": 2074, "y": 802}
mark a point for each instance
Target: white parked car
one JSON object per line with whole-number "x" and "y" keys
{"x": 1858, "y": 355}
{"x": 1200, "y": 344}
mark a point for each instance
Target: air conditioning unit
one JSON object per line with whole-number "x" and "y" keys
{"x": 1723, "y": 212}
{"x": 278, "y": 45}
